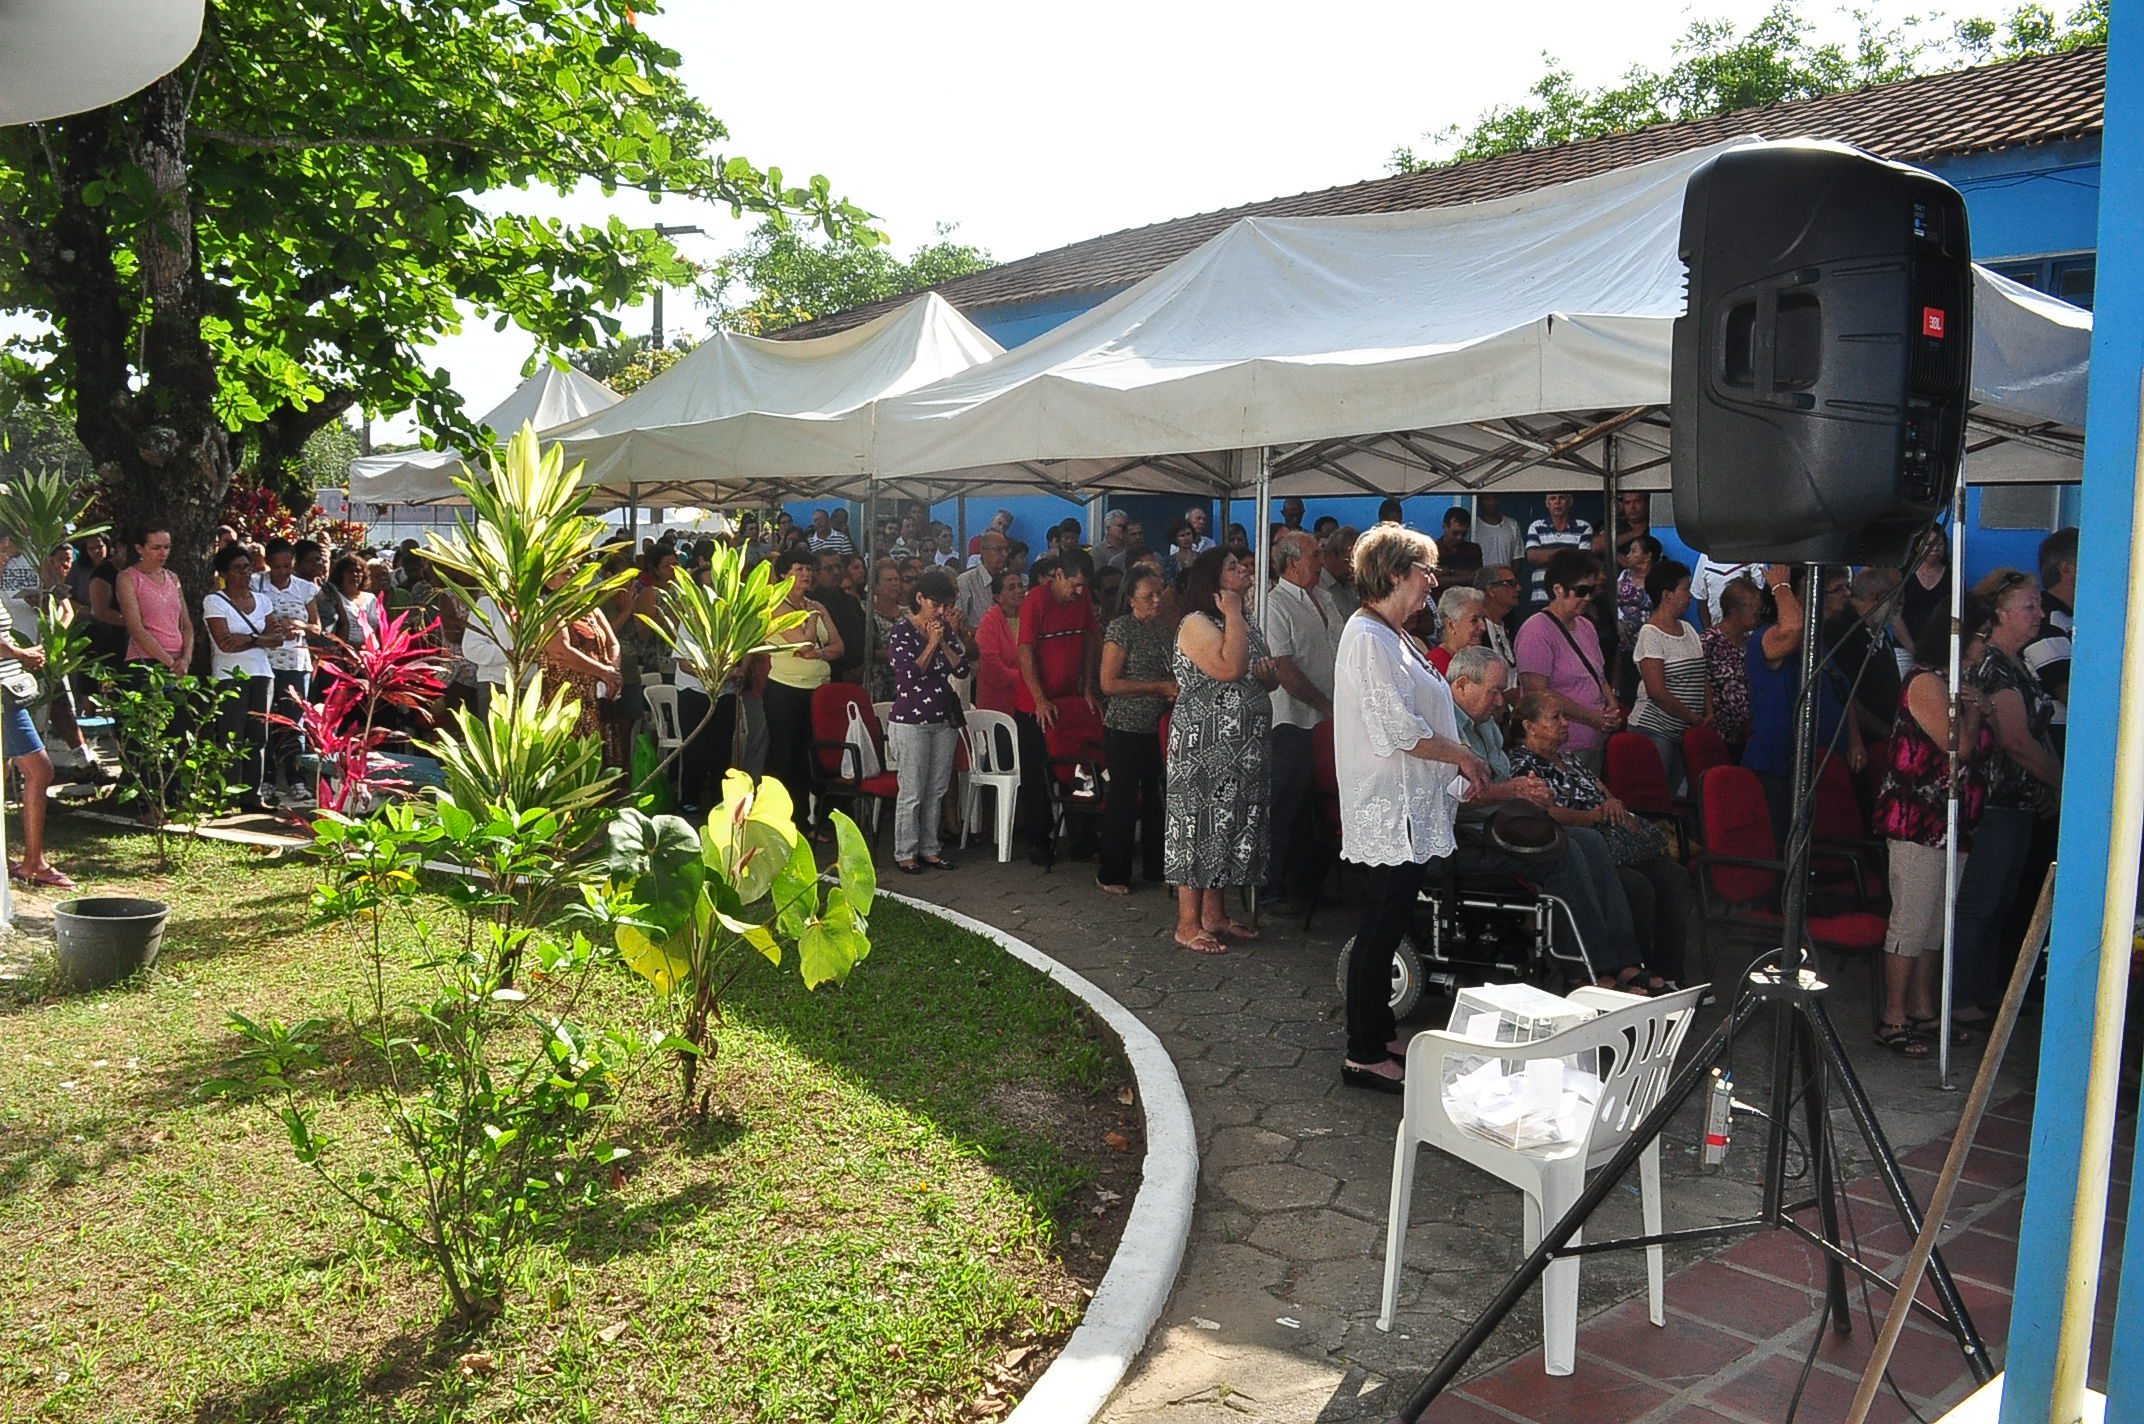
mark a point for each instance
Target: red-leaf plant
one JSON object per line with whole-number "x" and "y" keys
{"x": 397, "y": 665}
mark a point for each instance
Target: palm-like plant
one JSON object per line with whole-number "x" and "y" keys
{"x": 529, "y": 548}
{"x": 41, "y": 509}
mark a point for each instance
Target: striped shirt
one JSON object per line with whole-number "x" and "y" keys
{"x": 1682, "y": 657}
{"x": 1543, "y": 534}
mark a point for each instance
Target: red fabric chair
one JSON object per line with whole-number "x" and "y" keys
{"x": 836, "y": 766}
{"x": 1079, "y": 756}
{"x": 1739, "y": 874}
{"x": 1703, "y": 748}
{"x": 1636, "y": 778}
{"x": 1842, "y": 832}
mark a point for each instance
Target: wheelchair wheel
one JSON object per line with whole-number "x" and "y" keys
{"x": 1409, "y": 983}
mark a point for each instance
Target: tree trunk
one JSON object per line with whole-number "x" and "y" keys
{"x": 161, "y": 449}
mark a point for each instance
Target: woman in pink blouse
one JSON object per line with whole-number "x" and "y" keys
{"x": 158, "y": 630}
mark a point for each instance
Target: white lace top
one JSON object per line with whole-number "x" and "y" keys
{"x": 1394, "y": 807}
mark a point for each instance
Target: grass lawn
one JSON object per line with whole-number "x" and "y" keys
{"x": 896, "y": 1214}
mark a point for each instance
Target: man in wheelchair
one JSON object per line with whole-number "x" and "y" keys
{"x": 1592, "y": 932}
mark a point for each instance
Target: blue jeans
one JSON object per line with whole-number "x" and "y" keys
{"x": 2000, "y": 848}
{"x": 923, "y": 754}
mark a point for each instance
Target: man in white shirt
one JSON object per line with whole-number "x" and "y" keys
{"x": 1500, "y": 539}
{"x": 1303, "y": 634}
{"x": 1196, "y": 518}
{"x": 1711, "y": 578}
{"x": 1113, "y": 552}
{"x": 973, "y": 586}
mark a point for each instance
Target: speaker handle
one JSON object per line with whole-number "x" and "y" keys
{"x": 1758, "y": 307}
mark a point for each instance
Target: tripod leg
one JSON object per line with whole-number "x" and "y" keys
{"x": 1824, "y": 1170}
{"x": 1894, "y": 1179}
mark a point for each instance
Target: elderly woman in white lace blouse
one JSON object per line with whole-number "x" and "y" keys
{"x": 1402, "y": 771}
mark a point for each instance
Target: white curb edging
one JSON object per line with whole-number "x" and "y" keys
{"x": 1136, "y": 1287}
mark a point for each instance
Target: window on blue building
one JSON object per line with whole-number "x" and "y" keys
{"x": 2068, "y": 275}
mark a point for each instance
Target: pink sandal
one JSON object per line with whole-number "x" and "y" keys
{"x": 46, "y": 878}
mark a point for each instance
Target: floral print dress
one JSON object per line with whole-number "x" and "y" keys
{"x": 1217, "y": 830}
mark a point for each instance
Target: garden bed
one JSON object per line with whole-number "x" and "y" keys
{"x": 908, "y": 1187}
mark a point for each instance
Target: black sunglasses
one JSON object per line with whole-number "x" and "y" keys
{"x": 1584, "y": 590}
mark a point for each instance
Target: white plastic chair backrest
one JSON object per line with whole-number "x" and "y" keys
{"x": 993, "y": 744}
{"x": 1641, "y": 1036}
{"x": 662, "y": 705}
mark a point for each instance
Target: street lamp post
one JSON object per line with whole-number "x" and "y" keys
{"x": 655, "y": 340}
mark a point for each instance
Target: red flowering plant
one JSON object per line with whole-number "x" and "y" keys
{"x": 398, "y": 665}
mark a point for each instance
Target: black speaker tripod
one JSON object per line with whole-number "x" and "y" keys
{"x": 1807, "y": 1057}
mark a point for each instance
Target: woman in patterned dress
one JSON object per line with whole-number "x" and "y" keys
{"x": 585, "y": 657}
{"x": 1913, "y": 817}
{"x": 1220, "y": 787}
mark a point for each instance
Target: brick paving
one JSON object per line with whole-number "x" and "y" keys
{"x": 1273, "y": 1314}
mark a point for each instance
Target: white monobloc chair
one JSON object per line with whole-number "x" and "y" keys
{"x": 665, "y": 721}
{"x": 1640, "y": 1036}
{"x": 993, "y": 766}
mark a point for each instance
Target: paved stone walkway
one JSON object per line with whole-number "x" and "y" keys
{"x": 1273, "y": 1314}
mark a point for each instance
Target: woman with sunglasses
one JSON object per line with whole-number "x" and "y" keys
{"x": 1559, "y": 651}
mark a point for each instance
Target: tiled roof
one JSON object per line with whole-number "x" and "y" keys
{"x": 2023, "y": 102}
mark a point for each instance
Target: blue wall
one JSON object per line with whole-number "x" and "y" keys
{"x": 2028, "y": 202}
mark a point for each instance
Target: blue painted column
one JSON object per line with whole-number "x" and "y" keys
{"x": 2095, "y": 695}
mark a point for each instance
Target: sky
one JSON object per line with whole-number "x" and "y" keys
{"x": 1033, "y": 126}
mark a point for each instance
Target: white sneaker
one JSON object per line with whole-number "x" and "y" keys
{"x": 300, "y": 798}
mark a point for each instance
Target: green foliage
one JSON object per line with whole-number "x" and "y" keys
{"x": 625, "y": 363}
{"x": 173, "y": 767}
{"x": 528, "y": 549}
{"x": 40, "y": 508}
{"x": 495, "y": 1096}
{"x": 782, "y": 276}
{"x": 1716, "y": 69}
{"x": 268, "y": 237}
{"x": 2033, "y": 29}
{"x": 526, "y": 753}
{"x": 36, "y": 435}
{"x": 746, "y": 882}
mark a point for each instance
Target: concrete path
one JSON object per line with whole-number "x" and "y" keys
{"x": 1273, "y": 1316}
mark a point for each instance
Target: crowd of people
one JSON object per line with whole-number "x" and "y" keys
{"x": 1468, "y": 685}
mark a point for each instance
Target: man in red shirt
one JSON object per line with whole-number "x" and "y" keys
{"x": 1058, "y": 634}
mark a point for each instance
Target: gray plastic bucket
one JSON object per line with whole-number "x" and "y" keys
{"x": 104, "y": 938}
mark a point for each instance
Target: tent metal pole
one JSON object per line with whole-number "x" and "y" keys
{"x": 632, "y": 514}
{"x": 960, "y": 517}
{"x": 1094, "y": 518}
{"x": 1262, "y": 553}
{"x": 1950, "y": 808}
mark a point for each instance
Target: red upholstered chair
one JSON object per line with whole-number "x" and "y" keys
{"x": 1843, "y": 836}
{"x": 839, "y": 767}
{"x": 1636, "y": 778}
{"x": 1703, "y": 748}
{"x": 1739, "y": 874}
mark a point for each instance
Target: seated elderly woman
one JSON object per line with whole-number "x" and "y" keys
{"x": 1583, "y": 877}
{"x": 1657, "y": 888}
{"x": 1461, "y": 609}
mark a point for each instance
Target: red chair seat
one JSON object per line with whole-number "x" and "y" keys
{"x": 1855, "y": 930}
{"x": 886, "y": 783}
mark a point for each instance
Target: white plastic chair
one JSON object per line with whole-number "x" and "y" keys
{"x": 665, "y": 721}
{"x": 993, "y": 765}
{"x": 1641, "y": 1036}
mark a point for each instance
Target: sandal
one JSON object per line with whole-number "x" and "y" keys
{"x": 1108, "y": 889}
{"x": 1901, "y": 1040}
{"x": 1960, "y": 1034}
{"x": 908, "y": 867}
{"x": 47, "y": 878}
{"x": 935, "y": 862}
{"x": 1234, "y": 929}
{"x": 1201, "y": 943}
{"x": 1628, "y": 982}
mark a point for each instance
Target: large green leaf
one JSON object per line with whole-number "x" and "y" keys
{"x": 665, "y": 965}
{"x": 659, "y": 857}
{"x": 796, "y": 890}
{"x": 859, "y": 878}
{"x": 828, "y": 952}
{"x": 751, "y": 834}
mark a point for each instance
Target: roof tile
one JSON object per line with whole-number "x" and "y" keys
{"x": 2045, "y": 99}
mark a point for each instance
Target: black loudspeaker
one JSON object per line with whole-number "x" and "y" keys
{"x": 1821, "y": 369}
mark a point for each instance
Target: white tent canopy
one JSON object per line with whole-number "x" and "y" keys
{"x": 740, "y": 412}
{"x": 554, "y": 396}
{"x": 1504, "y": 342}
